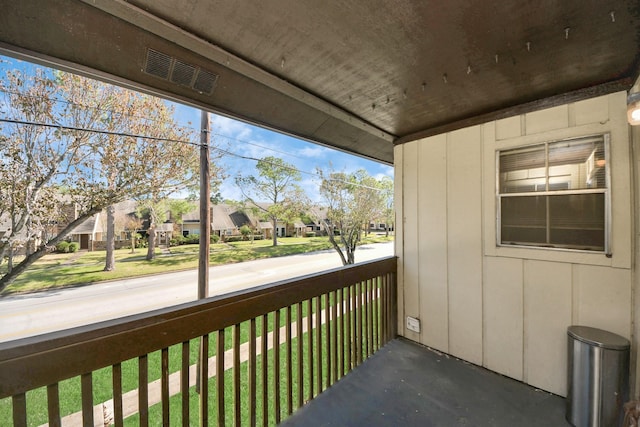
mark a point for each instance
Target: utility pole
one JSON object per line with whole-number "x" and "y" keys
{"x": 205, "y": 239}
{"x": 205, "y": 216}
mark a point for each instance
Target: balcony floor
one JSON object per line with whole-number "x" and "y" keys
{"x": 405, "y": 384}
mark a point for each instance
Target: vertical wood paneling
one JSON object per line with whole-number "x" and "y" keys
{"x": 547, "y": 314}
{"x": 411, "y": 257}
{"x": 143, "y": 390}
{"x": 464, "y": 243}
{"x": 116, "y": 379}
{"x": 398, "y": 200}
{"x": 432, "y": 244}
{"x": 53, "y": 405}
{"x": 503, "y": 316}
{"x": 604, "y": 298}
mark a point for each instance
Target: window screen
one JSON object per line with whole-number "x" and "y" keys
{"x": 555, "y": 195}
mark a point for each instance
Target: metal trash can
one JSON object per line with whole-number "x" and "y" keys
{"x": 597, "y": 377}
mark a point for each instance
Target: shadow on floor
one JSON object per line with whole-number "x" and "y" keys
{"x": 406, "y": 384}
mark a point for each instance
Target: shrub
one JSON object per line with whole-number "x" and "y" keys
{"x": 214, "y": 238}
{"x": 63, "y": 247}
{"x": 177, "y": 240}
{"x": 192, "y": 239}
{"x": 74, "y": 246}
{"x": 233, "y": 238}
{"x": 310, "y": 234}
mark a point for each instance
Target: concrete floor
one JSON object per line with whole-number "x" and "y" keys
{"x": 405, "y": 384}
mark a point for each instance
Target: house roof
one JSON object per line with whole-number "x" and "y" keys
{"x": 88, "y": 226}
{"x": 360, "y": 76}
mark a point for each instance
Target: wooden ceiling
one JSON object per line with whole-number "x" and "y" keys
{"x": 358, "y": 75}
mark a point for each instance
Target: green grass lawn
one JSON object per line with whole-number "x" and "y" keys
{"x": 62, "y": 270}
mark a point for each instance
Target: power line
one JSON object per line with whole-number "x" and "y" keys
{"x": 122, "y": 114}
{"x": 196, "y": 144}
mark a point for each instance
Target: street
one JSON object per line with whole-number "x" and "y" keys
{"x": 33, "y": 314}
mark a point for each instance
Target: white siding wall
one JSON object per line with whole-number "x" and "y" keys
{"x": 507, "y": 308}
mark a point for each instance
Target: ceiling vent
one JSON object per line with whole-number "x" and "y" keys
{"x": 168, "y": 68}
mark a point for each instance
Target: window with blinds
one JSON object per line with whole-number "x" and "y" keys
{"x": 555, "y": 195}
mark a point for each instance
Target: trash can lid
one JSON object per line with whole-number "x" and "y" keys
{"x": 598, "y": 337}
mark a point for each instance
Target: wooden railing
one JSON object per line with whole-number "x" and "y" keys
{"x": 268, "y": 351}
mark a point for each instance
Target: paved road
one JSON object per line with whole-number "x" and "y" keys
{"x": 34, "y": 314}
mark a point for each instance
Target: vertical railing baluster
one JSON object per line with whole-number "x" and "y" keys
{"x": 327, "y": 322}
{"x": 252, "y": 373}
{"x": 348, "y": 334}
{"x": 86, "y": 387}
{"x": 204, "y": 380}
{"x": 383, "y": 310}
{"x": 378, "y": 310}
{"x": 370, "y": 317}
{"x": 365, "y": 334}
{"x": 310, "y": 347}
{"x": 265, "y": 371}
{"x": 19, "y": 402}
{"x": 237, "y": 404}
{"x": 340, "y": 320}
{"x": 184, "y": 383}
{"x": 374, "y": 310}
{"x": 143, "y": 390}
{"x": 334, "y": 337}
{"x": 53, "y": 405}
{"x": 299, "y": 340}
{"x": 116, "y": 378}
{"x": 358, "y": 325}
{"x": 289, "y": 360}
{"x": 319, "y": 344}
{"x": 276, "y": 365}
{"x": 220, "y": 365}
{"x": 393, "y": 291}
{"x": 164, "y": 356}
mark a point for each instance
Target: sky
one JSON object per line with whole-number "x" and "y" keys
{"x": 246, "y": 140}
{"x": 252, "y": 141}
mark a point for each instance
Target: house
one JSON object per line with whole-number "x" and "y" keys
{"x": 516, "y": 178}
{"x": 91, "y": 234}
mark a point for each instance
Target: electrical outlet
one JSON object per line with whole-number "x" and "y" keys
{"x": 413, "y": 324}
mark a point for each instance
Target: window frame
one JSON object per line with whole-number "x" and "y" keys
{"x": 606, "y": 191}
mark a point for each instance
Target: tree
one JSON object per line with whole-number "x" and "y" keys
{"x": 53, "y": 155}
{"x": 349, "y": 199}
{"x": 275, "y": 184}
{"x": 131, "y": 225}
{"x": 388, "y": 211}
{"x": 159, "y": 210}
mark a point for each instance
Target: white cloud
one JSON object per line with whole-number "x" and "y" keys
{"x": 313, "y": 151}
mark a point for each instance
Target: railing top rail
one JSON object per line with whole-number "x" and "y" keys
{"x": 41, "y": 360}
